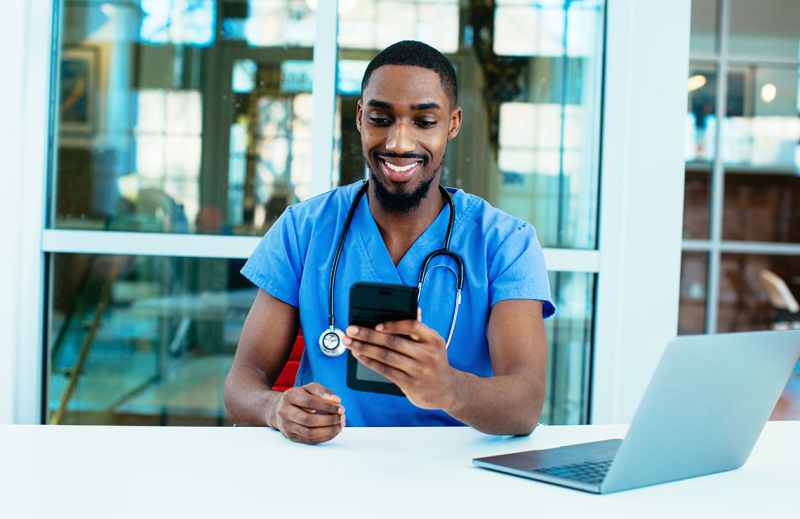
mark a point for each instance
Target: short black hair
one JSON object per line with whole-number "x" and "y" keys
{"x": 416, "y": 54}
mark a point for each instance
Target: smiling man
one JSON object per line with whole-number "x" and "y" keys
{"x": 490, "y": 376}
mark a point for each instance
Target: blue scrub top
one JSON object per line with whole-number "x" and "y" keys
{"x": 502, "y": 260}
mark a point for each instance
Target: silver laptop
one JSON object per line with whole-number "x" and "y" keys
{"x": 706, "y": 405}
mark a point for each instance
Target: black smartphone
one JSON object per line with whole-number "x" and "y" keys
{"x": 370, "y": 305}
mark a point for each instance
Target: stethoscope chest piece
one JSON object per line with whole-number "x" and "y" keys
{"x": 330, "y": 342}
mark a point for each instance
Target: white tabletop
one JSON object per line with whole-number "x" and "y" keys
{"x": 87, "y": 471}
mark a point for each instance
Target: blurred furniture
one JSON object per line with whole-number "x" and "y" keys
{"x": 209, "y": 306}
{"x": 781, "y": 298}
{"x": 749, "y": 311}
{"x": 392, "y": 472}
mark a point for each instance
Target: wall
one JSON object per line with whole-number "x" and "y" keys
{"x": 641, "y": 199}
{"x": 11, "y": 89}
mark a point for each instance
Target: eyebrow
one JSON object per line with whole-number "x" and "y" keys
{"x": 425, "y": 106}
{"x": 416, "y": 107}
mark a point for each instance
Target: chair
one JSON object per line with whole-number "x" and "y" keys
{"x": 781, "y": 298}
{"x": 286, "y": 379}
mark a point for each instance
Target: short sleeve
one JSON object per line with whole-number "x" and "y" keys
{"x": 276, "y": 265}
{"x": 517, "y": 270}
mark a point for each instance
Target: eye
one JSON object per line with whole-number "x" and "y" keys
{"x": 379, "y": 121}
{"x": 426, "y": 124}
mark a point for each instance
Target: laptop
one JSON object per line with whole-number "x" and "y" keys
{"x": 706, "y": 405}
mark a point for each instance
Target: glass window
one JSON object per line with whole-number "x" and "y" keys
{"x": 148, "y": 340}
{"x": 195, "y": 117}
{"x": 531, "y": 101}
{"x": 762, "y": 126}
{"x": 144, "y": 340}
{"x": 760, "y": 132}
{"x": 765, "y": 29}
{"x": 376, "y": 24}
{"x": 701, "y": 119}
{"x": 165, "y": 128}
{"x": 697, "y": 202}
{"x": 569, "y": 335}
{"x": 699, "y": 150}
{"x": 745, "y": 300}
{"x": 704, "y": 27}
{"x": 269, "y": 23}
{"x": 694, "y": 286}
{"x": 761, "y": 207}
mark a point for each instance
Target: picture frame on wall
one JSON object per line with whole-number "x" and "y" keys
{"x": 78, "y": 100}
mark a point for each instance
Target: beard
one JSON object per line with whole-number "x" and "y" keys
{"x": 401, "y": 202}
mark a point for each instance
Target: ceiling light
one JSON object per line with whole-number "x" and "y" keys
{"x": 696, "y": 82}
{"x": 768, "y": 92}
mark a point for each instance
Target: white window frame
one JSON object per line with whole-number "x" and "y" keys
{"x": 25, "y": 29}
{"x": 638, "y": 260}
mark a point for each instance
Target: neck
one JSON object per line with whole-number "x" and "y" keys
{"x": 400, "y": 230}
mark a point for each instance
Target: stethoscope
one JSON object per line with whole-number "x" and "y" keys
{"x": 330, "y": 342}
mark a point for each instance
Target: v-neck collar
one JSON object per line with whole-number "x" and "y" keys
{"x": 407, "y": 271}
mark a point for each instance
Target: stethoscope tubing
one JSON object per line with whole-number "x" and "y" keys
{"x": 445, "y": 251}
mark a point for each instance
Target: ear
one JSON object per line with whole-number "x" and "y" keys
{"x": 359, "y": 113}
{"x": 455, "y": 123}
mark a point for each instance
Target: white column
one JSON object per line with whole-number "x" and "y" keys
{"x": 642, "y": 177}
{"x": 26, "y": 28}
{"x": 324, "y": 95}
{"x": 12, "y": 36}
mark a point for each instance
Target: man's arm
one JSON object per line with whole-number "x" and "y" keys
{"x": 264, "y": 347}
{"x": 510, "y": 402}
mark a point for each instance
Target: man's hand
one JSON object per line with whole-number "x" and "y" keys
{"x": 309, "y": 414}
{"x": 412, "y": 356}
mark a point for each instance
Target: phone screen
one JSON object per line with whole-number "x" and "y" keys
{"x": 370, "y": 305}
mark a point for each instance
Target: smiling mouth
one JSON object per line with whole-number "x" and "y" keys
{"x": 399, "y": 172}
{"x": 399, "y": 169}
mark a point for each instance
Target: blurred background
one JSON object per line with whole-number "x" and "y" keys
{"x": 197, "y": 117}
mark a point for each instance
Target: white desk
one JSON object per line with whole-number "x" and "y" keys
{"x": 63, "y": 471}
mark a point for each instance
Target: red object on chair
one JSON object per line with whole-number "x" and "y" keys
{"x": 287, "y": 376}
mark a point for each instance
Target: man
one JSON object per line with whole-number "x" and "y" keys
{"x": 492, "y": 376}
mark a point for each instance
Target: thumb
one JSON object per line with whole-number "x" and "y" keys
{"x": 322, "y": 391}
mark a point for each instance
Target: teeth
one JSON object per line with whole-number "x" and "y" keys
{"x": 399, "y": 169}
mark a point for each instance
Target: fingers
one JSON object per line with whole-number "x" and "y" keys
{"x": 315, "y": 397}
{"x": 312, "y": 435}
{"x": 389, "y": 358}
{"x": 396, "y": 341}
{"x": 412, "y": 328}
{"x": 310, "y": 414}
{"x": 324, "y": 392}
{"x": 394, "y": 374}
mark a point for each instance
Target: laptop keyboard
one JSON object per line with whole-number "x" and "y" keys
{"x": 588, "y": 471}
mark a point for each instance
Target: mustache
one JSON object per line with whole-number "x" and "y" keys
{"x": 392, "y": 155}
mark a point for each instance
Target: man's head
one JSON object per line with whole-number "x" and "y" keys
{"x": 416, "y": 54}
{"x": 406, "y": 116}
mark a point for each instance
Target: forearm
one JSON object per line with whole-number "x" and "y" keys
{"x": 506, "y": 404}
{"x": 249, "y": 399}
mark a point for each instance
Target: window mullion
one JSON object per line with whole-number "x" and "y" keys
{"x": 718, "y": 173}
{"x": 324, "y": 94}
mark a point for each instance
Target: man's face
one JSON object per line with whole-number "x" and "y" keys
{"x": 405, "y": 120}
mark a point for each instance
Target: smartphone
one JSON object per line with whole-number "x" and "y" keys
{"x": 370, "y": 305}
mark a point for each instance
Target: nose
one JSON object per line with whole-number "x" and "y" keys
{"x": 400, "y": 139}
